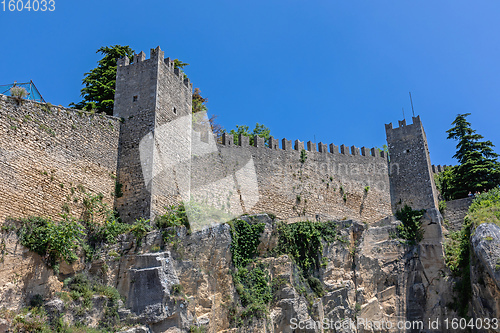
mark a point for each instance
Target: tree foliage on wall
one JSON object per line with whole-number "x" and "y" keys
{"x": 478, "y": 168}
{"x": 100, "y": 83}
{"x": 99, "y": 91}
{"x": 259, "y": 130}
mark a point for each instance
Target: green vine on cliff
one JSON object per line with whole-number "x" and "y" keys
{"x": 303, "y": 241}
{"x": 251, "y": 278}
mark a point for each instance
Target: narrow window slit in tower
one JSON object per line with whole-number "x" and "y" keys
{"x": 175, "y": 111}
{"x": 135, "y": 98}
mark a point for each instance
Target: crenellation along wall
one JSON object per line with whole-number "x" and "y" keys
{"x": 258, "y": 178}
{"x": 50, "y": 156}
{"x": 439, "y": 168}
{"x": 308, "y": 146}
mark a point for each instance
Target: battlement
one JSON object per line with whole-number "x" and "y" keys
{"x": 439, "y": 168}
{"x": 403, "y": 127}
{"x": 156, "y": 57}
{"x": 312, "y": 147}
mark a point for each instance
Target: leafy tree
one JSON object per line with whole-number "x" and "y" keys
{"x": 478, "y": 168}
{"x": 100, "y": 82}
{"x": 198, "y": 101}
{"x": 259, "y": 130}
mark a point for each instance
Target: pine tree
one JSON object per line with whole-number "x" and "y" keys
{"x": 99, "y": 91}
{"x": 478, "y": 168}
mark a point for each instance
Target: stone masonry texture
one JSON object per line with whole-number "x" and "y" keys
{"x": 50, "y": 157}
{"x": 412, "y": 181}
{"x": 455, "y": 212}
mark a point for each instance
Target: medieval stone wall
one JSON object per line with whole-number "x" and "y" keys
{"x": 248, "y": 179}
{"x": 455, "y": 212}
{"x": 50, "y": 157}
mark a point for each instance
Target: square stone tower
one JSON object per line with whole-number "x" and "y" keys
{"x": 154, "y": 100}
{"x": 411, "y": 176}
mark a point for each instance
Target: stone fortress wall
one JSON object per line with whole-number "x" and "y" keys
{"x": 455, "y": 212}
{"x": 51, "y": 156}
{"x": 323, "y": 184}
{"x": 412, "y": 180}
{"x": 161, "y": 155}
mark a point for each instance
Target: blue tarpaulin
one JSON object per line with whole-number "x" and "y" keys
{"x": 33, "y": 93}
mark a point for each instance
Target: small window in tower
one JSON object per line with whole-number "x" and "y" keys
{"x": 175, "y": 111}
{"x": 135, "y": 98}
{"x": 407, "y": 150}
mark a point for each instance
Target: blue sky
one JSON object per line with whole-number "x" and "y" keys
{"x": 330, "y": 71}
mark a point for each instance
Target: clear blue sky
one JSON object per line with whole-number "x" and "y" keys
{"x": 334, "y": 71}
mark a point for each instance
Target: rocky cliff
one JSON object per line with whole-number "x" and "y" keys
{"x": 337, "y": 276}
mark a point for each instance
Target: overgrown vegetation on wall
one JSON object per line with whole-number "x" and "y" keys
{"x": 260, "y": 130}
{"x": 301, "y": 241}
{"x": 250, "y": 276}
{"x": 411, "y": 227}
{"x": 457, "y": 257}
{"x": 485, "y": 208}
{"x": 58, "y": 241}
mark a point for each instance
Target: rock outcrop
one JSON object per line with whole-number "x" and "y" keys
{"x": 485, "y": 272}
{"x": 369, "y": 281}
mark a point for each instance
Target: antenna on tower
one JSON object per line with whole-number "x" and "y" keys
{"x": 404, "y": 113}
{"x": 413, "y": 111}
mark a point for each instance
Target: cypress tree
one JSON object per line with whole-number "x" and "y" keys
{"x": 478, "y": 168}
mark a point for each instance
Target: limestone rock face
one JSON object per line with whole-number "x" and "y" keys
{"x": 486, "y": 244}
{"x": 371, "y": 281}
{"x": 23, "y": 274}
{"x": 485, "y": 271}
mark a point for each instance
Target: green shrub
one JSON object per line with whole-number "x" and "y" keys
{"x": 32, "y": 320}
{"x": 83, "y": 288}
{"x": 252, "y": 285}
{"x": 442, "y": 206}
{"x": 177, "y": 289}
{"x": 301, "y": 240}
{"x": 175, "y": 216}
{"x": 457, "y": 258}
{"x": 411, "y": 226}
{"x": 54, "y": 241}
{"x": 316, "y": 286}
{"x": 250, "y": 279}
{"x": 303, "y": 156}
{"x": 139, "y": 229}
{"x": 485, "y": 208}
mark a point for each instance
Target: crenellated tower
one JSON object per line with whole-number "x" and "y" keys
{"x": 410, "y": 170}
{"x": 154, "y": 100}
